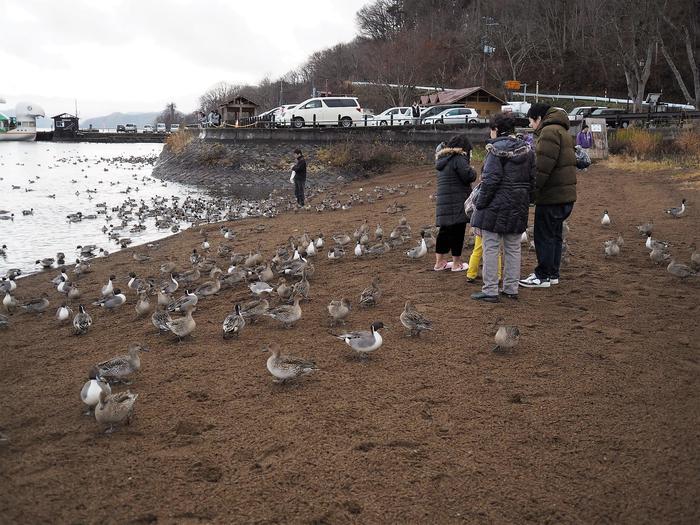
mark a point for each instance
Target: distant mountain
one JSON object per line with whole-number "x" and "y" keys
{"x": 110, "y": 121}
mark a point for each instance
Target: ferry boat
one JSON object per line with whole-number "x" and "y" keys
{"x": 23, "y": 125}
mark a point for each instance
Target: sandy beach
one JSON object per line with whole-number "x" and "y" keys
{"x": 593, "y": 418}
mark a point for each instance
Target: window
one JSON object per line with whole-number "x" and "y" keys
{"x": 312, "y": 104}
{"x": 451, "y": 112}
{"x": 341, "y": 102}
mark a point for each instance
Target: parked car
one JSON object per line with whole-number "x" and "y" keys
{"x": 147, "y": 128}
{"x": 398, "y": 116}
{"x": 454, "y": 116}
{"x": 611, "y": 116}
{"x": 130, "y": 128}
{"x": 160, "y": 127}
{"x": 431, "y": 111}
{"x": 121, "y": 128}
{"x": 174, "y": 128}
{"x": 329, "y": 111}
{"x": 521, "y": 120}
{"x": 582, "y": 112}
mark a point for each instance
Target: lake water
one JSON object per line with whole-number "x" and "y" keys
{"x": 52, "y": 168}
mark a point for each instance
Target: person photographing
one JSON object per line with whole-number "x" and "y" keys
{"x": 299, "y": 177}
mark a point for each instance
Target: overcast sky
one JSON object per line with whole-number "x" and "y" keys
{"x": 137, "y": 55}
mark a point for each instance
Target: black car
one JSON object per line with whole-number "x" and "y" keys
{"x": 612, "y": 117}
{"x": 121, "y": 128}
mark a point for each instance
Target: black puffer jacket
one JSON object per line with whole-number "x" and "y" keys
{"x": 454, "y": 179}
{"x": 507, "y": 181}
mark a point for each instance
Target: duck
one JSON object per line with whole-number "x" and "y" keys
{"x": 414, "y": 321}
{"x": 195, "y": 257}
{"x": 507, "y": 336}
{"x": 311, "y": 250}
{"x": 605, "y": 221}
{"x": 652, "y": 243}
{"x": 266, "y": 274}
{"x": 680, "y": 270}
{"x": 366, "y": 341}
{"x": 189, "y": 299}
{"x": 4, "y": 321}
{"x": 342, "y": 239}
{"x": 46, "y": 263}
{"x": 283, "y": 289}
{"x": 134, "y": 282}
{"x": 120, "y": 367}
{"x": 379, "y": 249}
{"x": 318, "y": 244}
{"x": 253, "y": 310}
{"x": 64, "y": 313}
{"x": 336, "y": 253}
{"x": 420, "y": 250}
{"x": 141, "y": 257}
{"x": 189, "y": 276}
{"x": 90, "y": 393}
{"x": 108, "y": 289}
{"x": 678, "y": 211}
{"x": 82, "y": 321}
{"x": 164, "y": 299}
{"x": 645, "y": 228}
{"x": 3, "y": 250}
{"x": 167, "y": 267}
{"x": 81, "y": 267}
{"x": 59, "y": 278}
{"x": 8, "y": 284}
{"x": 611, "y": 248}
{"x": 358, "y": 249}
{"x": 160, "y": 318}
{"x": 208, "y": 288}
{"x": 143, "y": 305}
{"x": 113, "y": 409}
{"x": 183, "y": 326}
{"x": 379, "y": 232}
{"x": 370, "y": 295}
{"x": 286, "y": 367}
{"x": 286, "y": 314}
{"x": 112, "y": 302}
{"x": 38, "y": 305}
{"x": 260, "y": 287}
{"x": 302, "y": 287}
{"x": 659, "y": 255}
{"x": 695, "y": 259}
{"x": 339, "y": 310}
{"x": 170, "y": 286}
{"x": 234, "y": 323}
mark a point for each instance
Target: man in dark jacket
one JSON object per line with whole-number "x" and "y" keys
{"x": 555, "y": 191}
{"x": 502, "y": 206}
{"x": 454, "y": 179}
{"x": 299, "y": 177}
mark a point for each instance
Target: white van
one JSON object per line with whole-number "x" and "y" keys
{"x": 329, "y": 111}
{"x": 174, "y": 128}
{"x": 160, "y": 127}
{"x": 398, "y": 116}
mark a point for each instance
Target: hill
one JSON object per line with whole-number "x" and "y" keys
{"x": 111, "y": 120}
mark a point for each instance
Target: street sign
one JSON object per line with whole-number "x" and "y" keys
{"x": 512, "y": 85}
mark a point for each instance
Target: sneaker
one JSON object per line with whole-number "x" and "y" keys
{"x": 532, "y": 281}
{"x": 554, "y": 281}
{"x": 481, "y": 296}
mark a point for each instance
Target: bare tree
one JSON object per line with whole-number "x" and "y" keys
{"x": 218, "y": 94}
{"x": 681, "y": 29}
{"x": 380, "y": 20}
{"x": 170, "y": 115}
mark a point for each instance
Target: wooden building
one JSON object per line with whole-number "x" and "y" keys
{"x": 484, "y": 102}
{"x": 237, "y": 109}
{"x": 65, "y": 125}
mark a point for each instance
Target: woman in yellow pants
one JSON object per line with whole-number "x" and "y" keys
{"x": 475, "y": 260}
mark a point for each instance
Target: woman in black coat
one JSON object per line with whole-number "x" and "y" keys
{"x": 502, "y": 205}
{"x": 454, "y": 179}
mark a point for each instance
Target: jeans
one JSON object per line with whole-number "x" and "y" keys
{"x": 549, "y": 219}
{"x": 299, "y": 190}
{"x": 451, "y": 238}
{"x": 511, "y": 272}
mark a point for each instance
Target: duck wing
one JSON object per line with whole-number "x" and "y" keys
{"x": 114, "y": 368}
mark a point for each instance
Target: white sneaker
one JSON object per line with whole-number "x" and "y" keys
{"x": 554, "y": 281}
{"x": 532, "y": 281}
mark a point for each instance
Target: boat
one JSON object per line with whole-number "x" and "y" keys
{"x": 23, "y": 125}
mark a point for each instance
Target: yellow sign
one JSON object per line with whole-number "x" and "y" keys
{"x": 512, "y": 85}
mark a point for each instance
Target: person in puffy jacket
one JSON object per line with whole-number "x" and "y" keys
{"x": 555, "y": 191}
{"x": 502, "y": 206}
{"x": 454, "y": 179}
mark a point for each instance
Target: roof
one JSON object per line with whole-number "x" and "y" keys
{"x": 450, "y": 96}
{"x": 64, "y": 115}
{"x": 240, "y": 101}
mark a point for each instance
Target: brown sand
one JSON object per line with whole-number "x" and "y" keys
{"x": 594, "y": 418}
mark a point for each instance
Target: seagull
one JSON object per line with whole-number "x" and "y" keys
{"x": 677, "y": 211}
{"x": 605, "y": 221}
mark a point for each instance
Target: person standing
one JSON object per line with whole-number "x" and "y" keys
{"x": 584, "y": 138}
{"x": 415, "y": 113}
{"x": 454, "y": 179}
{"x": 555, "y": 191}
{"x": 502, "y": 206}
{"x": 299, "y": 177}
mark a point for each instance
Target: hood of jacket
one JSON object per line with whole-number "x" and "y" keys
{"x": 510, "y": 148}
{"x": 554, "y": 116}
{"x": 443, "y": 156}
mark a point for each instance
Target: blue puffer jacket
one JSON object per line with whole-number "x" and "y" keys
{"x": 507, "y": 180}
{"x": 454, "y": 179}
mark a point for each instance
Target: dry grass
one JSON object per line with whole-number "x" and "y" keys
{"x": 373, "y": 157}
{"x": 177, "y": 142}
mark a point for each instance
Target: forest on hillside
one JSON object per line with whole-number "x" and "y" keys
{"x": 617, "y": 48}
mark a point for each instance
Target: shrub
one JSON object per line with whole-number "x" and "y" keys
{"x": 178, "y": 141}
{"x": 374, "y": 157}
{"x": 641, "y": 143}
{"x": 688, "y": 142}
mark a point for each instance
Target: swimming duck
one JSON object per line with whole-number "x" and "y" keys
{"x": 114, "y": 409}
{"x": 364, "y": 342}
{"x": 120, "y": 367}
{"x": 46, "y": 263}
{"x": 420, "y": 250}
{"x": 112, "y": 302}
{"x": 38, "y": 305}
{"x": 81, "y": 321}
{"x": 108, "y": 289}
{"x": 90, "y": 393}
{"x": 183, "y": 326}
{"x": 414, "y": 321}
{"x": 339, "y": 310}
{"x": 3, "y": 250}
{"x": 64, "y": 313}
{"x": 253, "y": 310}
{"x": 161, "y": 318}
{"x": 286, "y": 367}
{"x": 170, "y": 286}
{"x": 370, "y": 296}
{"x": 678, "y": 211}
{"x": 286, "y": 314}
{"x": 187, "y": 300}
{"x": 507, "y": 336}
{"x": 209, "y": 287}
{"x": 234, "y": 323}
{"x": 143, "y": 305}
{"x": 679, "y": 270}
